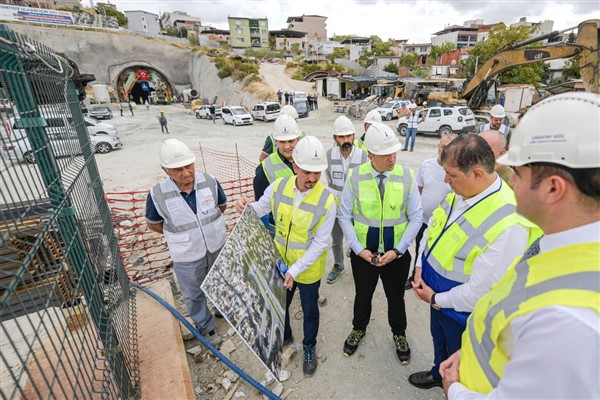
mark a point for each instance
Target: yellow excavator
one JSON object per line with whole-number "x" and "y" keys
{"x": 586, "y": 47}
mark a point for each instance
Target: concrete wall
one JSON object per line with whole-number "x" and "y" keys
{"x": 106, "y": 55}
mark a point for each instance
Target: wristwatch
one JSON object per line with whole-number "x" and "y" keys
{"x": 398, "y": 254}
{"x": 435, "y": 305}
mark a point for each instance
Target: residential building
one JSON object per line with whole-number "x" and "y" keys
{"x": 313, "y": 25}
{"x": 356, "y": 46}
{"x": 449, "y": 63}
{"x": 248, "y": 32}
{"x": 465, "y": 35}
{"x": 217, "y": 35}
{"x": 286, "y": 38}
{"x": 143, "y": 21}
{"x": 421, "y": 49}
{"x": 398, "y": 49}
{"x": 543, "y": 27}
{"x": 381, "y": 61}
{"x": 179, "y": 20}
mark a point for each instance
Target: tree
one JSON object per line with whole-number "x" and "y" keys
{"x": 392, "y": 68}
{"x": 571, "y": 38}
{"x": 111, "y": 12}
{"x": 437, "y": 51}
{"x": 295, "y": 48}
{"x": 408, "y": 59}
{"x": 501, "y": 37}
{"x": 336, "y": 53}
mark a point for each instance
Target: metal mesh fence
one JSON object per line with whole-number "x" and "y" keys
{"x": 67, "y": 313}
{"x": 145, "y": 253}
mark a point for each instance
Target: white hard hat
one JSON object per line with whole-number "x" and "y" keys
{"x": 309, "y": 154}
{"x": 372, "y": 116}
{"x": 381, "y": 140}
{"x": 545, "y": 135}
{"x": 498, "y": 111}
{"x": 175, "y": 154}
{"x": 425, "y": 104}
{"x": 285, "y": 128}
{"x": 290, "y": 110}
{"x": 412, "y": 106}
{"x": 342, "y": 126}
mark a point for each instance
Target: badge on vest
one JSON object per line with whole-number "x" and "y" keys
{"x": 338, "y": 175}
{"x": 174, "y": 204}
{"x": 207, "y": 202}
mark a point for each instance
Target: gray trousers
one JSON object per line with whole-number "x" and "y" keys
{"x": 190, "y": 276}
{"x": 337, "y": 244}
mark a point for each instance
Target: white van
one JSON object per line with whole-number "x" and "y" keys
{"x": 269, "y": 111}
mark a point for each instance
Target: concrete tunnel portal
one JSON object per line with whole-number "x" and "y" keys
{"x": 139, "y": 83}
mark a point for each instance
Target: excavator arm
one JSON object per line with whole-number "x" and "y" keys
{"x": 586, "y": 47}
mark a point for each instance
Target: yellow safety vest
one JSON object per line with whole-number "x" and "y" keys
{"x": 294, "y": 230}
{"x": 567, "y": 276}
{"x": 360, "y": 144}
{"x": 373, "y": 220}
{"x": 275, "y": 168}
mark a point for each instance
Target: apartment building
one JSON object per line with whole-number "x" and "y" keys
{"x": 249, "y": 32}
{"x": 465, "y": 35}
{"x": 313, "y": 25}
{"x": 142, "y": 21}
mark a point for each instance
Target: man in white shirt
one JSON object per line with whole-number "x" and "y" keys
{"x": 433, "y": 189}
{"x": 473, "y": 237}
{"x": 537, "y": 333}
{"x": 341, "y": 158}
{"x": 413, "y": 120}
{"x": 304, "y": 213}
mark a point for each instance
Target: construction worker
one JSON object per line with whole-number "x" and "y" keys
{"x": 472, "y": 238}
{"x": 305, "y": 213}
{"x": 372, "y": 116}
{"x": 536, "y": 334}
{"x": 499, "y": 144}
{"x": 187, "y": 208}
{"x": 269, "y": 145}
{"x": 162, "y": 119}
{"x": 497, "y": 114}
{"x": 278, "y": 164}
{"x": 380, "y": 214}
{"x": 340, "y": 159}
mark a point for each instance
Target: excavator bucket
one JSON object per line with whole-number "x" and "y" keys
{"x": 588, "y": 36}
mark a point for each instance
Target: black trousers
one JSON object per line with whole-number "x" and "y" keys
{"x": 393, "y": 276}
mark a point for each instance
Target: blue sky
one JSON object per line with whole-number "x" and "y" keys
{"x": 412, "y": 20}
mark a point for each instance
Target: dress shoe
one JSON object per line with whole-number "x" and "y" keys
{"x": 424, "y": 380}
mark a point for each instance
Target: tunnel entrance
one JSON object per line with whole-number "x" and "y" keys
{"x": 140, "y": 84}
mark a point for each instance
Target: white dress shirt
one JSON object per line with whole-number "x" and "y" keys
{"x": 414, "y": 213}
{"x": 319, "y": 242}
{"x": 555, "y": 350}
{"x": 431, "y": 178}
{"x": 491, "y": 264}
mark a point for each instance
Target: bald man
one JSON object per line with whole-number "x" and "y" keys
{"x": 499, "y": 145}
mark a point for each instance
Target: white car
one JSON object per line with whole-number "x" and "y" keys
{"x": 268, "y": 111}
{"x": 204, "y": 112}
{"x": 96, "y": 127}
{"x": 62, "y": 145}
{"x": 389, "y": 110}
{"x": 236, "y": 115}
{"x": 442, "y": 120}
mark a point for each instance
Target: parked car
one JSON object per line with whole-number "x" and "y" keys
{"x": 204, "y": 112}
{"x": 442, "y": 120}
{"x": 236, "y": 115}
{"x": 301, "y": 107}
{"x": 14, "y": 127}
{"x": 96, "y": 127}
{"x": 266, "y": 111}
{"x": 300, "y": 96}
{"x": 389, "y": 110}
{"x": 61, "y": 144}
{"x": 100, "y": 112}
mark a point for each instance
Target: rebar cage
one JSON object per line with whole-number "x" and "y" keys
{"x": 67, "y": 311}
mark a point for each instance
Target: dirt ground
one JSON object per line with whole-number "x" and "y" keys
{"x": 373, "y": 371}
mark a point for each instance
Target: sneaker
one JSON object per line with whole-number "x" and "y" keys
{"x": 352, "y": 342}
{"x": 213, "y": 338}
{"x": 310, "y": 361}
{"x": 288, "y": 341}
{"x": 402, "y": 349}
{"x": 335, "y": 273}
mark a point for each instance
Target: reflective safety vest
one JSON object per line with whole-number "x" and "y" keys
{"x": 190, "y": 235}
{"x": 566, "y": 276}
{"x": 503, "y": 128}
{"x": 335, "y": 167}
{"x": 295, "y": 229}
{"x": 451, "y": 250}
{"x": 359, "y": 144}
{"x": 380, "y": 226}
{"x": 275, "y": 168}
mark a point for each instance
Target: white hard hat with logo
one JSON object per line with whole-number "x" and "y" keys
{"x": 372, "y": 116}
{"x": 175, "y": 154}
{"x": 285, "y": 128}
{"x": 342, "y": 126}
{"x": 546, "y": 135}
{"x": 381, "y": 140}
{"x": 498, "y": 111}
{"x": 290, "y": 110}
{"x": 309, "y": 154}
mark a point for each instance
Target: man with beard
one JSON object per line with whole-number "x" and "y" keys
{"x": 497, "y": 114}
{"x": 340, "y": 159}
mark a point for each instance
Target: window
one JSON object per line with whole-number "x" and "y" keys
{"x": 447, "y": 112}
{"x": 423, "y": 49}
{"x": 240, "y": 40}
{"x": 239, "y": 30}
{"x": 434, "y": 113}
{"x": 263, "y": 31}
{"x": 238, "y": 22}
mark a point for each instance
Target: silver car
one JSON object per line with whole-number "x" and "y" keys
{"x": 100, "y": 112}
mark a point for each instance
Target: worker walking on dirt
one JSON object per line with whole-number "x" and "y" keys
{"x": 371, "y": 117}
{"x": 471, "y": 240}
{"x": 341, "y": 158}
{"x": 130, "y": 107}
{"x": 212, "y": 111}
{"x": 121, "y": 108}
{"x": 187, "y": 208}
{"x": 162, "y": 119}
{"x": 497, "y": 115}
{"x": 380, "y": 214}
{"x": 305, "y": 212}
{"x": 536, "y": 334}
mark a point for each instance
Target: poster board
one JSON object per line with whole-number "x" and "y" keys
{"x": 246, "y": 287}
